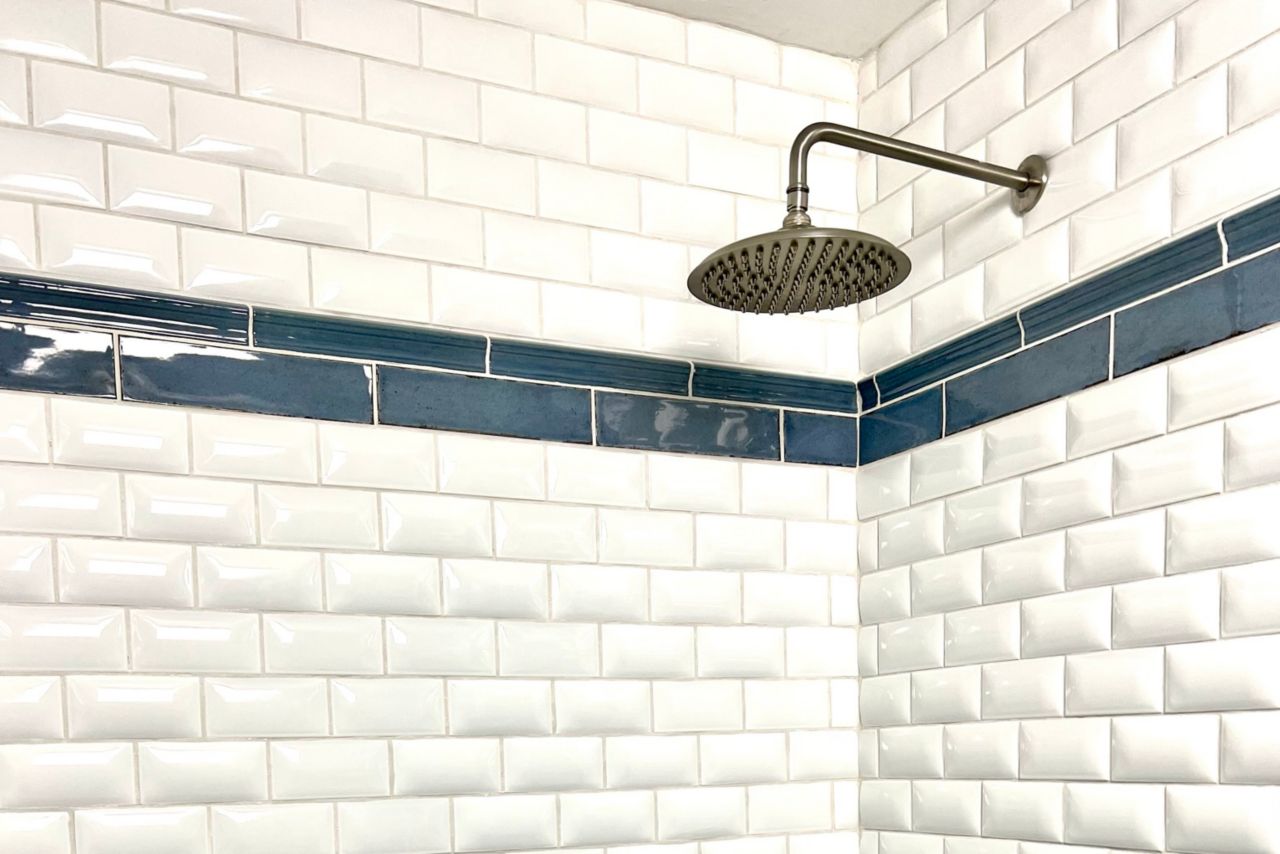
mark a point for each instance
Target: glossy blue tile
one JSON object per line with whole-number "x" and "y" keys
{"x": 1183, "y": 259}
{"x": 981, "y": 345}
{"x": 868, "y": 394}
{"x": 123, "y": 310}
{"x": 666, "y": 424}
{"x": 1204, "y": 312}
{"x": 1050, "y": 370}
{"x": 900, "y": 426}
{"x": 441, "y": 401}
{"x": 60, "y": 361}
{"x": 720, "y": 383}
{"x": 823, "y": 439}
{"x": 365, "y": 339}
{"x": 588, "y": 367}
{"x": 1254, "y": 229}
{"x": 244, "y": 380}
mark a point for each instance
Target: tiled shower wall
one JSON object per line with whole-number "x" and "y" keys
{"x": 1071, "y": 622}
{"x": 1156, "y": 117}
{"x": 539, "y": 168}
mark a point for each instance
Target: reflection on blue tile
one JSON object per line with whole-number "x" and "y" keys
{"x": 901, "y": 426}
{"x": 244, "y": 381}
{"x": 981, "y": 345}
{"x": 412, "y": 398}
{"x": 364, "y": 339}
{"x": 1204, "y": 312}
{"x": 588, "y": 367}
{"x": 61, "y": 361}
{"x": 779, "y": 389}
{"x": 664, "y": 424}
{"x": 123, "y": 310}
{"x": 1050, "y": 370}
{"x": 868, "y": 394}
{"x": 823, "y": 439}
{"x": 1254, "y": 229}
{"x": 1183, "y": 259}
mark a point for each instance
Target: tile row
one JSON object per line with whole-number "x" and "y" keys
{"x": 142, "y": 438}
{"x": 1121, "y": 815}
{"x": 443, "y": 824}
{"x": 237, "y": 771}
{"x": 1237, "y": 748}
{"x": 1218, "y": 675}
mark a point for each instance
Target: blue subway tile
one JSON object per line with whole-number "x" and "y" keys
{"x": 1183, "y": 259}
{"x": 829, "y": 440}
{"x": 1254, "y": 229}
{"x": 1204, "y": 312}
{"x": 244, "y": 380}
{"x": 868, "y": 394}
{"x": 588, "y": 367}
{"x": 666, "y": 424}
{"x": 364, "y": 339}
{"x": 413, "y": 398}
{"x": 60, "y": 361}
{"x": 123, "y": 310}
{"x": 1047, "y": 371}
{"x": 779, "y": 389}
{"x": 981, "y": 345}
{"x": 900, "y": 426}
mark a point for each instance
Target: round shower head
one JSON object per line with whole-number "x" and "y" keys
{"x": 798, "y": 268}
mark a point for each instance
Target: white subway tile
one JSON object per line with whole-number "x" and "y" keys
{"x": 1177, "y": 124}
{"x": 253, "y": 447}
{"x": 602, "y": 707}
{"x": 533, "y": 123}
{"x": 951, "y": 465}
{"x": 385, "y": 28}
{"x": 914, "y": 644}
{"x": 1118, "y": 412}
{"x": 1196, "y": 200}
{"x": 367, "y": 827}
{"x": 237, "y": 131}
{"x": 768, "y": 115}
{"x": 911, "y": 535}
{"x": 708, "y": 705}
{"x": 636, "y": 264}
{"x": 544, "y": 531}
{"x": 1249, "y": 595}
{"x": 180, "y": 51}
{"x": 1137, "y": 16}
{"x": 396, "y": 706}
{"x": 701, "y": 813}
{"x": 1079, "y": 621}
{"x": 562, "y": 17}
{"x": 945, "y": 696}
{"x": 981, "y": 231}
{"x": 885, "y": 484}
{"x": 693, "y": 596}
{"x": 499, "y": 707}
{"x": 1034, "y": 266}
{"x": 511, "y": 305}
{"x": 65, "y": 32}
{"x": 636, "y": 537}
{"x": 447, "y": 766}
{"x": 1223, "y": 530}
{"x": 476, "y": 49}
{"x": 101, "y": 572}
{"x": 884, "y": 596}
{"x": 733, "y": 52}
{"x": 1232, "y": 674}
{"x": 18, "y": 236}
{"x": 322, "y": 643}
{"x": 175, "y": 189}
{"x": 477, "y": 175}
{"x": 1167, "y": 610}
{"x": 988, "y": 101}
{"x": 306, "y": 516}
{"x": 74, "y": 101}
{"x": 65, "y": 775}
{"x": 1082, "y": 173}
{"x": 82, "y": 245}
{"x": 1165, "y": 748}
{"x": 202, "y": 772}
{"x": 59, "y": 500}
{"x": 532, "y": 247}
{"x": 26, "y": 569}
{"x": 594, "y": 818}
{"x": 885, "y": 700}
{"x": 421, "y": 100}
{"x": 981, "y": 750}
{"x": 52, "y": 168}
{"x": 31, "y": 708}
{"x": 329, "y": 768}
{"x": 1116, "y": 683}
{"x": 789, "y": 807}
{"x": 888, "y": 109}
{"x": 259, "y": 579}
{"x": 640, "y": 761}
{"x": 310, "y": 211}
{"x": 353, "y": 153}
{"x": 1091, "y": 31}
{"x": 885, "y": 804}
{"x": 689, "y": 329}
{"x": 1120, "y": 224}
{"x": 272, "y": 16}
{"x": 248, "y": 269}
{"x": 112, "y": 436}
{"x": 1238, "y": 382}
{"x": 950, "y": 806}
{"x": 1069, "y": 494}
{"x": 592, "y": 592}
{"x": 647, "y": 652}
{"x": 1067, "y": 749}
{"x": 183, "y": 828}
{"x": 392, "y": 584}
{"x": 911, "y": 41}
{"x": 947, "y": 67}
{"x": 982, "y": 516}
{"x": 1221, "y": 818}
{"x": 441, "y": 647}
{"x": 585, "y": 73}
{"x": 553, "y": 764}
{"x": 194, "y": 642}
{"x": 1044, "y": 128}
{"x": 1253, "y": 92}
{"x": 946, "y": 583}
{"x": 258, "y": 828}
{"x": 1011, "y": 24}
{"x": 1023, "y": 689}
{"x": 258, "y": 706}
{"x": 911, "y": 752}
{"x": 1128, "y": 815}
{"x": 1031, "y": 566}
{"x": 1250, "y": 748}
{"x": 352, "y": 455}
{"x": 1023, "y": 810}
{"x": 1147, "y": 67}
{"x": 784, "y": 600}
{"x": 514, "y": 821}
{"x": 1213, "y": 30}
{"x": 437, "y": 524}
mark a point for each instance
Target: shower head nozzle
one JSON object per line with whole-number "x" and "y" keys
{"x": 804, "y": 268}
{"x": 798, "y": 268}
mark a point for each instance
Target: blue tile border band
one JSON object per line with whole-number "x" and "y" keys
{"x": 99, "y": 341}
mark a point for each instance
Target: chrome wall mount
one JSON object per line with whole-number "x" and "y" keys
{"x": 802, "y": 268}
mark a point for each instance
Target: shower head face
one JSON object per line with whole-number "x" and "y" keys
{"x": 797, "y": 269}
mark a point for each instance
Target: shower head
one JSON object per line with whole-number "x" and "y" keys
{"x": 802, "y": 268}
{"x": 798, "y": 268}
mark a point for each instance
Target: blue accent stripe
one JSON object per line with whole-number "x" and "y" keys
{"x": 1183, "y": 259}
{"x": 981, "y": 345}
{"x": 1251, "y": 230}
{"x": 415, "y": 398}
{"x": 244, "y": 380}
{"x": 778, "y": 389}
{"x": 588, "y": 367}
{"x": 1047, "y": 371}
{"x": 368, "y": 340}
{"x": 901, "y": 426}
{"x": 1227, "y": 303}
{"x": 686, "y": 426}
{"x": 123, "y": 310}
{"x": 822, "y": 439}
{"x": 57, "y": 361}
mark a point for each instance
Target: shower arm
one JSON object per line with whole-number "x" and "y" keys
{"x": 1027, "y": 181}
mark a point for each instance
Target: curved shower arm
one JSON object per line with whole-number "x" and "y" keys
{"x": 1028, "y": 180}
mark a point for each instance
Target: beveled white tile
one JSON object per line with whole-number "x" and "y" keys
{"x": 59, "y": 500}
{"x": 26, "y": 569}
{"x": 18, "y": 235}
{"x": 253, "y": 447}
{"x": 883, "y": 485}
{"x": 23, "y": 434}
{"x": 1116, "y": 814}
{"x": 483, "y": 465}
{"x": 475, "y": 588}
{"x": 127, "y": 706}
{"x": 67, "y": 35}
{"x": 328, "y": 768}
{"x": 80, "y": 102}
{"x": 1187, "y": 118}
{"x": 499, "y": 707}
{"x": 885, "y": 804}
{"x": 1250, "y": 748}
{"x": 1023, "y": 810}
{"x": 1220, "y": 675}
{"x": 1067, "y": 749}
{"x": 595, "y": 476}
{"x": 1035, "y": 265}
{"x": 950, "y": 806}
{"x": 385, "y": 457}
{"x": 941, "y": 71}
{"x": 1079, "y": 621}
{"x": 1249, "y": 596}
{"x": 456, "y": 43}
{"x": 983, "y": 516}
{"x": 1252, "y": 80}
{"x": 62, "y": 637}
{"x": 946, "y": 583}
{"x": 385, "y": 28}
{"x": 983, "y": 634}
{"x": 322, "y": 643}
{"x": 1223, "y": 380}
{"x": 102, "y": 572}
{"x": 82, "y": 245}
{"x": 1167, "y": 610}
{"x": 1118, "y": 412}
{"x": 194, "y": 642}
{"x": 242, "y": 268}
{"x": 1083, "y": 173}
{"x": 885, "y": 596}
{"x": 437, "y": 647}
{"x": 366, "y": 827}
{"x": 183, "y": 828}
{"x": 1069, "y": 494}
{"x": 544, "y": 531}
{"x": 387, "y": 584}
{"x": 301, "y": 209}
{"x": 1122, "y": 682}
{"x": 53, "y": 168}
{"x": 911, "y": 535}
{"x": 648, "y": 652}
{"x": 304, "y": 516}
{"x": 796, "y": 492}
{"x": 911, "y": 752}
{"x": 31, "y": 708}
{"x": 828, "y": 547}
{"x": 693, "y": 596}
{"x": 396, "y": 706}
{"x": 64, "y": 775}
{"x": 914, "y": 644}
{"x": 947, "y": 695}
{"x": 115, "y": 436}
{"x": 1019, "y": 569}
{"x": 1024, "y": 442}
{"x": 885, "y": 700}
{"x": 950, "y": 465}
{"x": 1196, "y": 201}
{"x": 256, "y": 828}
{"x": 1124, "y": 549}
{"x": 259, "y": 579}
{"x": 981, "y": 750}
{"x": 1251, "y": 456}
{"x": 1222, "y": 530}
{"x": 593, "y": 592}
{"x": 1209, "y": 32}
{"x": 180, "y": 51}
{"x": 561, "y": 649}
{"x": 1147, "y": 66}
{"x": 1231, "y": 818}
{"x": 337, "y": 277}
{"x": 258, "y": 706}
{"x": 298, "y": 75}
{"x": 272, "y": 16}
{"x": 174, "y": 189}
{"x": 1166, "y": 748}
{"x": 437, "y": 525}
{"x": 237, "y": 131}
{"x": 353, "y": 153}
{"x": 1023, "y": 689}
{"x": 868, "y": 547}
{"x": 1122, "y": 223}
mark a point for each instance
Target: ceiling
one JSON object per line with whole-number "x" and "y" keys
{"x": 842, "y": 27}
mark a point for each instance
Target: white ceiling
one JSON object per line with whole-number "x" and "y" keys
{"x": 842, "y": 27}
